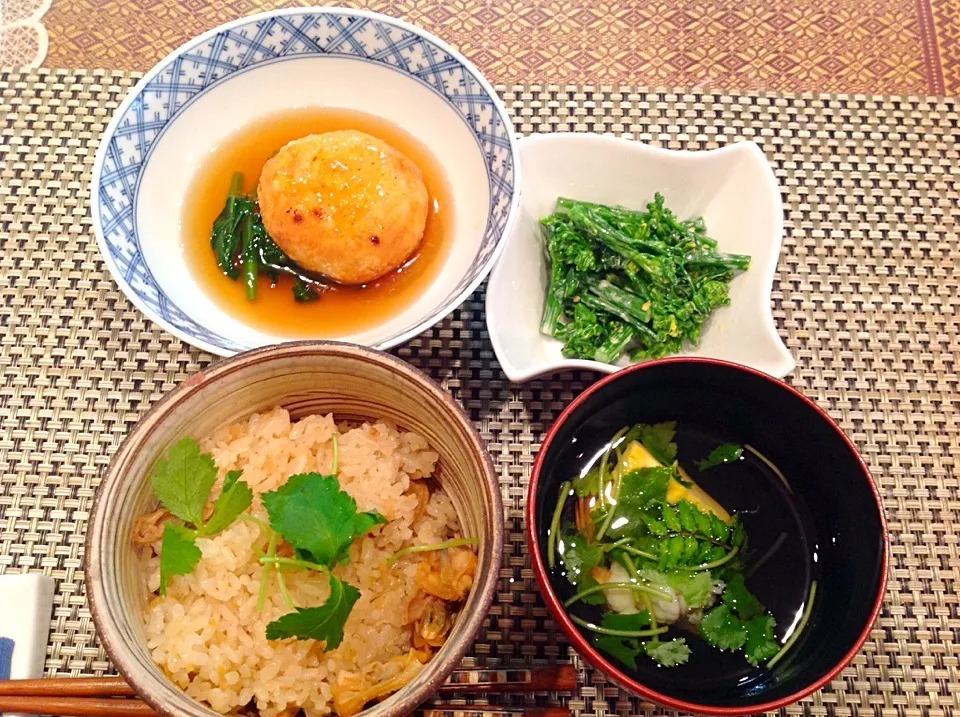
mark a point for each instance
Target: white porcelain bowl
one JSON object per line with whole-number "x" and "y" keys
{"x": 732, "y": 188}
{"x": 245, "y": 70}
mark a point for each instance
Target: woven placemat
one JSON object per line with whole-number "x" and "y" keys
{"x": 866, "y": 298}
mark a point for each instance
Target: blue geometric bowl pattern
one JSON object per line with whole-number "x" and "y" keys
{"x": 155, "y": 103}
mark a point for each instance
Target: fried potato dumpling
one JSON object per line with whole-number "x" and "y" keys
{"x": 344, "y": 204}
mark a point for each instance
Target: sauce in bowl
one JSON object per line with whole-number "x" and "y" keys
{"x": 341, "y": 309}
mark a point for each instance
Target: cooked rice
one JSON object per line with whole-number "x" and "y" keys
{"x": 207, "y": 634}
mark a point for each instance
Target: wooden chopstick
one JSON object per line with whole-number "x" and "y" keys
{"x": 68, "y": 687}
{"x": 75, "y": 706}
{"x": 538, "y": 679}
{"x": 119, "y": 707}
{"x": 103, "y": 696}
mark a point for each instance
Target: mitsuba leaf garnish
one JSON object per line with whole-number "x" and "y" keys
{"x": 318, "y": 623}
{"x": 639, "y": 490}
{"x": 182, "y": 481}
{"x": 658, "y": 439}
{"x": 632, "y": 622}
{"x": 760, "y": 645}
{"x": 588, "y": 483}
{"x": 741, "y": 600}
{"x": 678, "y": 476}
{"x": 668, "y": 654}
{"x": 624, "y": 649}
{"x": 580, "y": 557}
{"x": 694, "y": 588}
{"x": 235, "y": 497}
{"x": 179, "y": 553}
{"x": 721, "y": 628}
{"x": 317, "y": 518}
{"x": 229, "y": 479}
{"x": 320, "y": 521}
{"x": 726, "y": 453}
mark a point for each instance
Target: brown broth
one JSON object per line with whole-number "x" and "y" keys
{"x": 340, "y": 309}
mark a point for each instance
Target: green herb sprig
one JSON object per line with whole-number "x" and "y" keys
{"x": 726, "y": 453}
{"x": 182, "y": 482}
{"x": 309, "y": 511}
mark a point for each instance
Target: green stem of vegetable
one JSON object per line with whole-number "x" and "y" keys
{"x": 648, "y": 604}
{"x": 639, "y": 553}
{"x": 602, "y": 482}
{"x": 265, "y": 570}
{"x": 618, "y": 633}
{"x": 553, "y": 536}
{"x": 635, "y": 574}
{"x": 618, "y": 458}
{"x": 452, "y": 543}
{"x": 631, "y": 307}
{"x": 636, "y": 587}
{"x": 615, "y": 493}
{"x": 631, "y": 568}
{"x": 616, "y": 342}
{"x": 284, "y": 593}
{"x": 236, "y": 184}
{"x": 732, "y": 261}
{"x": 618, "y": 211}
{"x": 552, "y": 305}
{"x": 711, "y": 565}
{"x": 771, "y": 465}
{"x": 256, "y": 521}
{"x": 807, "y": 610}
{"x": 603, "y": 498}
{"x": 335, "y": 463}
{"x": 248, "y": 255}
{"x": 274, "y": 561}
{"x": 589, "y": 220}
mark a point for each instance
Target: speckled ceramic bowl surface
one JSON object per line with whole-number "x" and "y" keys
{"x": 352, "y": 382}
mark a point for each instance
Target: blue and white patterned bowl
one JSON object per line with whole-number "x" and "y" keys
{"x": 254, "y": 67}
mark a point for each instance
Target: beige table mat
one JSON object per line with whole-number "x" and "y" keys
{"x": 866, "y": 297}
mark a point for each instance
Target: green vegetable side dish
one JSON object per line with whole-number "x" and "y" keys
{"x": 243, "y": 248}
{"x": 310, "y": 512}
{"x": 659, "y": 555}
{"x": 625, "y": 281}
